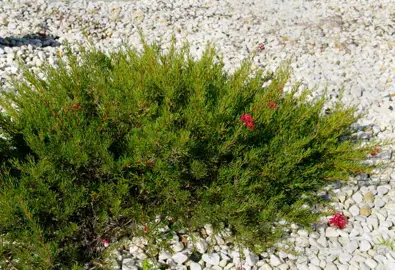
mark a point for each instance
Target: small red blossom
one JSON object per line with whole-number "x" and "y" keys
{"x": 250, "y": 125}
{"x": 375, "y": 151}
{"x": 77, "y": 106}
{"x": 145, "y": 229}
{"x": 338, "y": 220}
{"x": 260, "y": 47}
{"x": 272, "y": 105}
{"x": 246, "y": 118}
{"x": 105, "y": 242}
{"x": 248, "y": 121}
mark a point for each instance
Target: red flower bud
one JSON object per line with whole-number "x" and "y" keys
{"x": 375, "y": 151}
{"x": 261, "y": 47}
{"x": 272, "y": 105}
{"x": 105, "y": 242}
{"x": 76, "y": 106}
{"x": 338, "y": 220}
{"x": 248, "y": 121}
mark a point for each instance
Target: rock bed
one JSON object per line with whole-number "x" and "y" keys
{"x": 333, "y": 44}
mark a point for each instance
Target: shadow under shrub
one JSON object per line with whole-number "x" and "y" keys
{"x": 108, "y": 140}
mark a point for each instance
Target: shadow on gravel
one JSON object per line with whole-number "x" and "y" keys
{"x": 36, "y": 40}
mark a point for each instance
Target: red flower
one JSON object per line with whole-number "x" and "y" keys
{"x": 250, "y": 126}
{"x": 261, "y": 47}
{"x": 246, "y": 118}
{"x": 248, "y": 121}
{"x": 272, "y": 105}
{"x": 105, "y": 242}
{"x": 338, "y": 220}
{"x": 77, "y": 106}
{"x": 375, "y": 151}
{"x": 145, "y": 229}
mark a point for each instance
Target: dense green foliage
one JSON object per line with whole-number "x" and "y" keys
{"x": 106, "y": 141}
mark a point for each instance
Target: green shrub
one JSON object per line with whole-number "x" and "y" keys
{"x": 106, "y": 141}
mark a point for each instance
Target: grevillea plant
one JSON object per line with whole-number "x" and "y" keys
{"x": 107, "y": 143}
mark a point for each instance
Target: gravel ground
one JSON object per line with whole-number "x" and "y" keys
{"x": 333, "y": 44}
